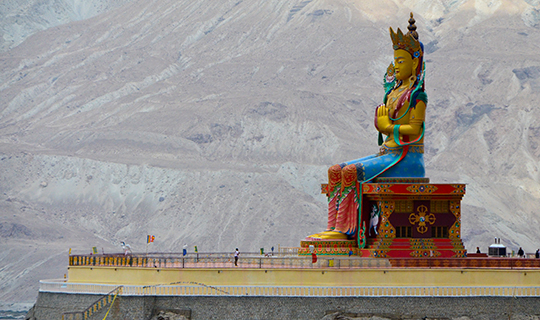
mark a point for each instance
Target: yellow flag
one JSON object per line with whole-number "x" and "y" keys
{"x": 94, "y": 250}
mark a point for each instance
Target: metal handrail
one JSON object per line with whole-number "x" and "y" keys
{"x": 94, "y": 307}
{"x": 268, "y": 262}
{"x": 59, "y": 286}
{"x": 192, "y": 254}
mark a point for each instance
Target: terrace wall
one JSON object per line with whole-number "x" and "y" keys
{"x": 52, "y": 305}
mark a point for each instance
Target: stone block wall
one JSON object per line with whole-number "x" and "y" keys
{"x": 51, "y": 306}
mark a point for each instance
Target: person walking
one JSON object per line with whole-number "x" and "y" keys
{"x": 520, "y": 252}
{"x": 236, "y": 254}
{"x": 537, "y": 254}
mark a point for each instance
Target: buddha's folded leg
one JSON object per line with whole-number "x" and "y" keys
{"x": 335, "y": 178}
{"x": 347, "y": 216}
{"x": 411, "y": 166}
{"x": 340, "y": 184}
{"x": 334, "y": 190}
{"x": 351, "y": 176}
{"x": 360, "y": 160}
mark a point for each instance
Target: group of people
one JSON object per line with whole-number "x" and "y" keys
{"x": 521, "y": 253}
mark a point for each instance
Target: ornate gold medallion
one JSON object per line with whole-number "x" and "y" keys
{"x": 422, "y": 217}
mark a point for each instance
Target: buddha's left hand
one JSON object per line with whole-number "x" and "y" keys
{"x": 383, "y": 122}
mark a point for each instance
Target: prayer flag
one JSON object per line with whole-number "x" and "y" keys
{"x": 196, "y": 250}
{"x": 150, "y": 238}
{"x": 94, "y": 250}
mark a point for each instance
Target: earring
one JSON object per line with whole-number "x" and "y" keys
{"x": 412, "y": 79}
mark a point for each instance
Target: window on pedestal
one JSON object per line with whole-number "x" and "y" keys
{"x": 439, "y": 232}
{"x": 404, "y": 232}
{"x": 440, "y": 206}
{"x": 403, "y": 206}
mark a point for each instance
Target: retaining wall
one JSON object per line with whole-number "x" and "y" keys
{"x": 49, "y": 306}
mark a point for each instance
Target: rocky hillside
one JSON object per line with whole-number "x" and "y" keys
{"x": 20, "y": 19}
{"x": 212, "y": 123}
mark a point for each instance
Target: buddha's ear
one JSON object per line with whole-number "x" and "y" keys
{"x": 415, "y": 62}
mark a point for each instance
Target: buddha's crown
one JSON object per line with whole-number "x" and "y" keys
{"x": 409, "y": 41}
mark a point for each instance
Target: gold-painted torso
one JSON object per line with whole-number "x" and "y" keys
{"x": 413, "y": 118}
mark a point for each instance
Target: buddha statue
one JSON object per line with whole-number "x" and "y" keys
{"x": 401, "y": 119}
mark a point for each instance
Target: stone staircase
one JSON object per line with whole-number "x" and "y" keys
{"x": 95, "y": 308}
{"x": 413, "y": 247}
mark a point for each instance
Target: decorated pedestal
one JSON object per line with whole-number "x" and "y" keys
{"x": 414, "y": 218}
{"x": 329, "y": 247}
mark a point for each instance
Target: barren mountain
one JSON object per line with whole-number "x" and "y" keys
{"x": 212, "y": 123}
{"x": 20, "y": 19}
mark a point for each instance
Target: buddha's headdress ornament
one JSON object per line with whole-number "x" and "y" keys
{"x": 409, "y": 41}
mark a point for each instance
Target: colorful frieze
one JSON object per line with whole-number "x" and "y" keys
{"x": 450, "y": 190}
{"x": 401, "y": 180}
{"x": 321, "y": 247}
{"x": 421, "y": 188}
{"x": 425, "y": 253}
{"x": 329, "y": 251}
{"x": 327, "y": 243}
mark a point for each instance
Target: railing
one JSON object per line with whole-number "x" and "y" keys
{"x": 279, "y": 261}
{"x": 108, "y": 298}
{"x": 192, "y": 289}
{"x": 192, "y": 261}
{"x": 288, "y": 250}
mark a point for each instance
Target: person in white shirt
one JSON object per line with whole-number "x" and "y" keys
{"x": 236, "y": 254}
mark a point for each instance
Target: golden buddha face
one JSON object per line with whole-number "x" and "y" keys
{"x": 405, "y": 66}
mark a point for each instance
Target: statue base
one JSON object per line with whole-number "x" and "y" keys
{"x": 417, "y": 219}
{"x": 329, "y": 247}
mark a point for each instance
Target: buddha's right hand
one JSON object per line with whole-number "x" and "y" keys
{"x": 383, "y": 121}
{"x": 377, "y": 116}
